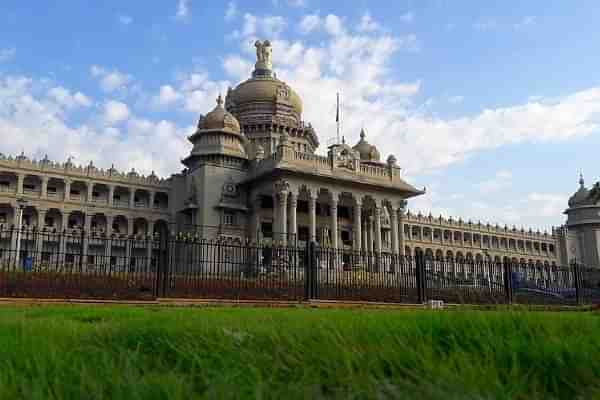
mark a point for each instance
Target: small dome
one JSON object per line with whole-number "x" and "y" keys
{"x": 219, "y": 119}
{"x": 581, "y": 196}
{"x": 367, "y": 151}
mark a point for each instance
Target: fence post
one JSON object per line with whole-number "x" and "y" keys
{"x": 81, "y": 251}
{"x": 577, "y": 278}
{"x": 508, "y": 289}
{"x": 162, "y": 266}
{"x": 420, "y": 276}
{"x": 307, "y": 271}
{"x": 310, "y": 274}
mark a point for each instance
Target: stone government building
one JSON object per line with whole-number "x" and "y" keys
{"x": 253, "y": 174}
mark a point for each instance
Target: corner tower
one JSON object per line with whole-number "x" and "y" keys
{"x": 583, "y": 225}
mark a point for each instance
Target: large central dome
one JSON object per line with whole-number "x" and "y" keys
{"x": 267, "y": 107}
{"x": 266, "y": 89}
{"x": 263, "y": 98}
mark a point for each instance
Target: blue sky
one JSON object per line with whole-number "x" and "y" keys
{"x": 494, "y": 107}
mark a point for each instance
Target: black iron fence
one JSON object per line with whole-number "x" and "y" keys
{"x": 77, "y": 264}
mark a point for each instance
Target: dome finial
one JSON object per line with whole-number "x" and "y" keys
{"x": 220, "y": 101}
{"x": 581, "y": 181}
{"x": 362, "y": 133}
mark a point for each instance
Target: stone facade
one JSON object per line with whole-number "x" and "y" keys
{"x": 253, "y": 174}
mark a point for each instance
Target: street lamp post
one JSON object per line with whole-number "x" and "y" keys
{"x": 21, "y": 203}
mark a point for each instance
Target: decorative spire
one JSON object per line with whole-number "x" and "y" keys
{"x": 362, "y": 133}
{"x": 581, "y": 181}
{"x": 220, "y": 101}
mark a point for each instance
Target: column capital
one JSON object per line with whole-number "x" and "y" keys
{"x": 281, "y": 186}
{"x": 293, "y": 198}
{"x": 358, "y": 201}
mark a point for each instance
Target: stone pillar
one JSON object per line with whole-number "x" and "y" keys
{"x": 67, "y": 195}
{"x": 87, "y": 229}
{"x": 334, "y": 222}
{"x": 255, "y": 221}
{"x": 39, "y": 237}
{"x": 108, "y": 243}
{"x": 377, "y": 218}
{"x": 312, "y": 212}
{"x": 283, "y": 216}
{"x": 111, "y": 195}
{"x": 401, "y": 232}
{"x": 432, "y": 236}
{"x": 62, "y": 245}
{"x": 151, "y": 199}
{"x": 131, "y": 198}
{"x": 357, "y": 232}
{"x": 365, "y": 234}
{"x": 44, "y": 192}
{"x": 20, "y": 180}
{"x": 149, "y": 242}
{"x": 15, "y": 224}
{"x": 370, "y": 223}
{"x": 128, "y": 243}
{"x": 293, "y": 201}
{"x": 90, "y": 191}
{"x": 394, "y": 222}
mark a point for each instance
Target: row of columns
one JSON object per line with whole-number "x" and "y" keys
{"x": 471, "y": 242}
{"x": 87, "y": 228}
{"x": 366, "y": 234}
{"x": 90, "y": 190}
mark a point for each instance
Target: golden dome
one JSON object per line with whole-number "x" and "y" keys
{"x": 367, "y": 151}
{"x": 266, "y": 89}
{"x": 219, "y": 119}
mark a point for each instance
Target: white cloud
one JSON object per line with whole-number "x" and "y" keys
{"x": 269, "y": 27}
{"x": 63, "y": 97}
{"x": 33, "y": 121}
{"x": 115, "y": 111}
{"x": 272, "y": 26}
{"x": 333, "y": 25}
{"x": 237, "y": 67}
{"x": 231, "y": 11}
{"x": 500, "y": 181}
{"x": 110, "y": 81}
{"x": 309, "y": 23}
{"x": 125, "y": 19}
{"x": 407, "y": 17}
{"x": 367, "y": 23}
{"x": 167, "y": 96}
{"x": 183, "y": 11}
{"x": 7, "y": 54}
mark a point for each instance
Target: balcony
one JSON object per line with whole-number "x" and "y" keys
{"x": 100, "y": 200}
{"x": 7, "y": 189}
{"x": 121, "y": 203}
{"x": 32, "y": 192}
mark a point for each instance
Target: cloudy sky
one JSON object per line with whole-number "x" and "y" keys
{"x": 494, "y": 108}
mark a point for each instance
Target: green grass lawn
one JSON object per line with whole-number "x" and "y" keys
{"x": 76, "y": 352}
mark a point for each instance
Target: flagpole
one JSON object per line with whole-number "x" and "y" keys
{"x": 337, "y": 117}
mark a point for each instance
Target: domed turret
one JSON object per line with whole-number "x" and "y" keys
{"x": 581, "y": 196}
{"x": 218, "y": 133}
{"x": 219, "y": 119}
{"x": 367, "y": 151}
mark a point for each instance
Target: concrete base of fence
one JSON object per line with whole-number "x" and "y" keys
{"x": 174, "y": 302}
